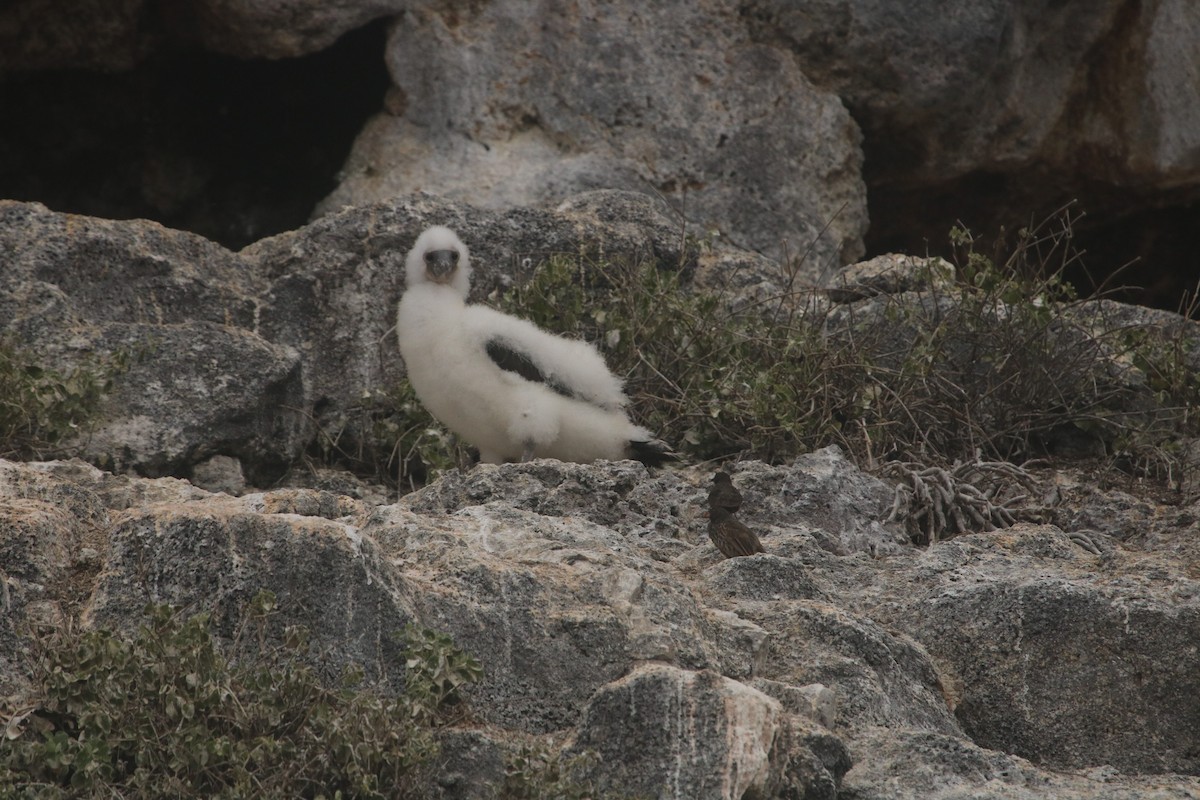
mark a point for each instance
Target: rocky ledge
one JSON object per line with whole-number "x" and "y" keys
{"x": 844, "y": 662}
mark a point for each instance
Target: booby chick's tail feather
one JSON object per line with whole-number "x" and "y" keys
{"x": 501, "y": 383}
{"x": 652, "y": 452}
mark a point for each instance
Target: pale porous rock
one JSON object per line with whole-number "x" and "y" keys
{"x": 195, "y": 390}
{"x": 486, "y": 110}
{"x": 278, "y": 28}
{"x": 1058, "y": 654}
{"x": 923, "y": 765}
{"x": 118, "y": 35}
{"x": 815, "y": 702}
{"x": 878, "y": 677}
{"x": 889, "y": 274}
{"x": 557, "y": 607}
{"x": 215, "y": 553}
{"x": 220, "y": 474}
{"x": 820, "y": 497}
{"x": 842, "y": 508}
{"x": 671, "y": 733}
{"x": 170, "y": 317}
{"x": 604, "y": 617}
{"x": 39, "y": 542}
{"x": 54, "y": 522}
{"x": 103, "y": 490}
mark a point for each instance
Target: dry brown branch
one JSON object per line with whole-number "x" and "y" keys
{"x": 936, "y": 503}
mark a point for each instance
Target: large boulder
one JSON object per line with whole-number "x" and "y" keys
{"x": 64, "y": 34}
{"x": 1105, "y": 90}
{"x": 716, "y": 742}
{"x": 1071, "y": 665}
{"x": 169, "y": 317}
{"x": 508, "y": 104}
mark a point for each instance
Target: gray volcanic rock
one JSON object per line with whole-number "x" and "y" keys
{"x": 217, "y": 552}
{"x": 69, "y": 34}
{"x": 506, "y": 105}
{"x": 1061, "y": 655}
{"x": 274, "y": 29}
{"x": 557, "y": 607}
{"x": 662, "y": 731}
{"x": 921, "y": 765}
{"x": 176, "y": 313}
{"x": 1097, "y": 89}
{"x": 604, "y": 618}
{"x": 195, "y": 390}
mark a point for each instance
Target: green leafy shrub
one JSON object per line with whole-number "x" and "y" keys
{"x": 539, "y": 773}
{"x": 40, "y": 407}
{"x": 711, "y": 380}
{"x": 435, "y": 669}
{"x": 165, "y": 714}
{"x": 993, "y": 363}
{"x": 388, "y": 436}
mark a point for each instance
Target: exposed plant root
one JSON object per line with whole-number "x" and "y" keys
{"x": 937, "y": 503}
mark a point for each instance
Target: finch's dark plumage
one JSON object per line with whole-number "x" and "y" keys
{"x": 723, "y": 493}
{"x": 731, "y": 537}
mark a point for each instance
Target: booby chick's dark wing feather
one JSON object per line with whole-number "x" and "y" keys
{"x": 508, "y": 358}
{"x": 569, "y": 367}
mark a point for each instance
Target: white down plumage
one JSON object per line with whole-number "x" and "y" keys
{"x": 500, "y": 383}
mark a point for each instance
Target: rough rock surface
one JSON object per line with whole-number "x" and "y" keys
{"x": 275, "y": 28}
{"x": 248, "y": 355}
{"x": 68, "y": 34}
{"x": 485, "y": 110}
{"x": 179, "y": 311}
{"x": 1001, "y": 665}
{"x": 694, "y": 734}
{"x": 1105, "y": 89}
{"x": 1000, "y": 627}
{"x": 747, "y": 118}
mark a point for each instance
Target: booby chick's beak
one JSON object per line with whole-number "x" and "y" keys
{"x": 440, "y": 265}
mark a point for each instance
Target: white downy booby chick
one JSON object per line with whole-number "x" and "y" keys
{"x": 501, "y": 383}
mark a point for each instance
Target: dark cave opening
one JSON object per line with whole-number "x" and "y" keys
{"x": 231, "y": 149}
{"x": 1134, "y": 246}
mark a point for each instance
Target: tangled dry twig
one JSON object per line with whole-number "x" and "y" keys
{"x": 936, "y": 503}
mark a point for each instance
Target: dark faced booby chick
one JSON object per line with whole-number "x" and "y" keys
{"x": 724, "y": 494}
{"x": 731, "y": 537}
{"x": 501, "y": 383}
